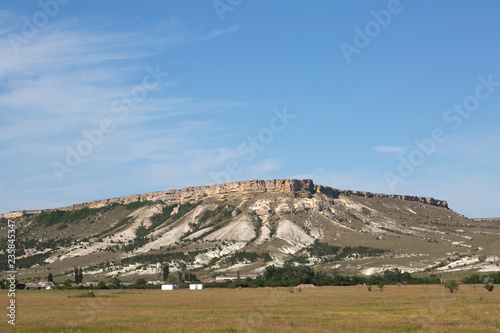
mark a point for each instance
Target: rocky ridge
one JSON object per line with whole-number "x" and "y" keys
{"x": 291, "y": 186}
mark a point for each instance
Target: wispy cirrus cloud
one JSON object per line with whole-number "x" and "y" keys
{"x": 389, "y": 149}
{"x": 64, "y": 81}
{"x": 263, "y": 168}
{"x": 220, "y": 32}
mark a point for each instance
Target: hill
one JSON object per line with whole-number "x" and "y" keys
{"x": 245, "y": 226}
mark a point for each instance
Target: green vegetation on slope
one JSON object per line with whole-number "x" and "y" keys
{"x": 358, "y": 252}
{"x": 243, "y": 256}
{"x": 49, "y": 218}
{"x": 166, "y": 214}
{"x": 162, "y": 257}
{"x": 320, "y": 249}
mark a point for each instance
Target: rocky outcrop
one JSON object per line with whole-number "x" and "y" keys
{"x": 428, "y": 200}
{"x": 292, "y": 186}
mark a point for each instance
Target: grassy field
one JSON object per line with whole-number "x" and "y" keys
{"x": 320, "y": 309}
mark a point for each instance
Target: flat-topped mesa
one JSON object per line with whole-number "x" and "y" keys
{"x": 201, "y": 192}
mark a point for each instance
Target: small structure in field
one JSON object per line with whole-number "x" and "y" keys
{"x": 155, "y": 282}
{"x": 39, "y": 286}
{"x": 169, "y": 287}
{"x": 235, "y": 277}
{"x": 31, "y": 286}
{"x": 195, "y": 286}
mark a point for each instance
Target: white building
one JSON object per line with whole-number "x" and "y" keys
{"x": 194, "y": 286}
{"x": 169, "y": 287}
{"x": 155, "y": 282}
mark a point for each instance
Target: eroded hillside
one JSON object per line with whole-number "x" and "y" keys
{"x": 246, "y": 226}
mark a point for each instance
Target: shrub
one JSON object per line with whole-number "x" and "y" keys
{"x": 353, "y": 216}
{"x": 49, "y": 218}
{"x": 473, "y": 279}
{"x": 141, "y": 231}
{"x": 102, "y": 285}
{"x": 140, "y": 283}
{"x": 487, "y": 282}
{"x": 489, "y": 285}
{"x": 137, "y": 205}
{"x": 319, "y": 249}
{"x": 451, "y": 285}
{"x": 359, "y": 251}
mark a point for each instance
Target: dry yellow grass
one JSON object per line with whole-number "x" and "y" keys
{"x": 322, "y": 309}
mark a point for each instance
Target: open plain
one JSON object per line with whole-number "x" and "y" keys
{"x": 317, "y": 309}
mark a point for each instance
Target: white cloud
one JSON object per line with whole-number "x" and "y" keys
{"x": 220, "y": 32}
{"x": 389, "y": 149}
{"x": 260, "y": 170}
{"x": 63, "y": 81}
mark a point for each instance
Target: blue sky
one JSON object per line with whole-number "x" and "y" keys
{"x": 102, "y": 99}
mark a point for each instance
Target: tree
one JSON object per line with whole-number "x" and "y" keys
{"x": 182, "y": 266}
{"x": 173, "y": 278}
{"x": 115, "y": 282}
{"x": 102, "y": 285}
{"x": 140, "y": 283}
{"x": 141, "y": 231}
{"x": 77, "y": 275}
{"x": 50, "y": 278}
{"x": 393, "y": 275}
{"x": 165, "y": 272}
{"x": 473, "y": 279}
{"x": 451, "y": 285}
{"x": 487, "y": 282}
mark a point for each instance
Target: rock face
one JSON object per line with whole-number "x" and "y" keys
{"x": 293, "y": 187}
{"x": 428, "y": 200}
